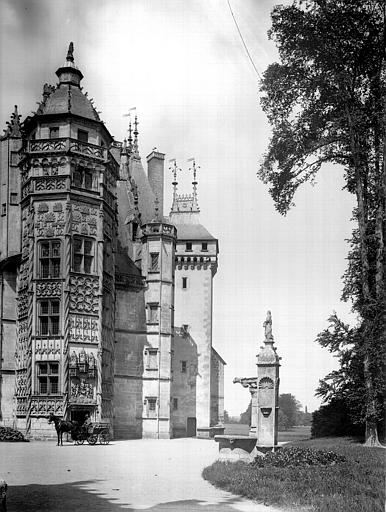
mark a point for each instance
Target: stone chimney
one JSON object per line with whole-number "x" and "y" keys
{"x": 155, "y": 174}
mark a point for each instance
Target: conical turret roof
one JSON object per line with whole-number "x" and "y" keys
{"x": 68, "y": 96}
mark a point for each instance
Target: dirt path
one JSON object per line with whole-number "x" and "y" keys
{"x": 152, "y": 475}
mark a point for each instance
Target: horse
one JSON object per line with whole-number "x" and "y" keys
{"x": 61, "y": 426}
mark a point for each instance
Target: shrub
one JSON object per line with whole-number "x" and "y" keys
{"x": 10, "y": 434}
{"x": 295, "y": 456}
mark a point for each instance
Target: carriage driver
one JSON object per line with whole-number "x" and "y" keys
{"x": 87, "y": 422}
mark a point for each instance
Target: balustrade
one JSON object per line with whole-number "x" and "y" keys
{"x": 67, "y": 144}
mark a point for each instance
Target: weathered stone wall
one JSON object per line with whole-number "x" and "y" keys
{"x": 216, "y": 390}
{"x": 193, "y": 307}
{"x": 130, "y": 342}
{"x": 10, "y": 220}
{"x": 7, "y": 343}
{"x": 184, "y": 382}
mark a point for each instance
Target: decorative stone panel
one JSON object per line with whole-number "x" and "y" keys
{"x": 50, "y": 220}
{"x": 21, "y": 383}
{"x": 82, "y": 391}
{"x": 21, "y": 406}
{"x": 45, "y": 347}
{"x": 22, "y": 304}
{"x": 50, "y": 183}
{"x": 84, "y": 219}
{"x": 84, "y": 294}
{"x": 44, "y": 406}
{"x": 49, "y": 289}
{"x": 83, "y": 328}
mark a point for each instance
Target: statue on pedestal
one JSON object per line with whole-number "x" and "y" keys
{"x": 268, "y": 327}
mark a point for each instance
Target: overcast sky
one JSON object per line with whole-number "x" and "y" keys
{"x": 183, "y": 66}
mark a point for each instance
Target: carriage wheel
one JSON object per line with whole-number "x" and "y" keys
{"x": 104, "y": 438}
{"x": 79, "y": 441}
{"x": 92, "y": 439}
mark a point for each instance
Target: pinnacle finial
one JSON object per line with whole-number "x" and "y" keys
{"x": 135, "y": 133}
{"x": 194, "y": 182}
{"x": 70, "y": 53}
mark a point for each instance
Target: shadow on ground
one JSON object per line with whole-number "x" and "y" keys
{"x": 73, "y": 497}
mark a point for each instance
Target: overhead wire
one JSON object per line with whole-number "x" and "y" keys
{"x": 243, "y": 41}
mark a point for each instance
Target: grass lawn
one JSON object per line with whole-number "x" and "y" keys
{"x": 356, "y": 485}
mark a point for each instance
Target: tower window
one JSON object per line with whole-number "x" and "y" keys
{"x": 54, "y": 132}
{"x": 183, "y": 366}
{"x": 151, "y": 408}
{"x": 188, "y": 246}
{"x": 83, "y": 255}
{"x": 3, "y": 209}
{"x": 49, "y": 259}
{"x": 13, "y": 198}
{"x": 153, "y": 313}
{"x": 48, "y": 378}
{"x": 175, "y": 404}
{"x": 151, "y": 356}
{"x": 48, "y": 320}
{"x": 14, "y": 158}
{"x": 154, "y": 262}
{"x": 204, "y": 246}
{"x": 83, "y": 135}
{"x": 83, "y": 178}
{"x": 184, "y": 283}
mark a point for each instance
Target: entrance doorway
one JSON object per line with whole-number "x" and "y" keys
{"x": 191, "y": 426}
{"x": 79, "y": 415}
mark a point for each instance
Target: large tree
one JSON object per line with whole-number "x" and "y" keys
{"x": 325, "y": 101}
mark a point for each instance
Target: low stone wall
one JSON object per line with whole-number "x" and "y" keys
{"x": 234, "y": 448}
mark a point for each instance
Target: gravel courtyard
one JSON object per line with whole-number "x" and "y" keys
{"x": 153, "y": 475}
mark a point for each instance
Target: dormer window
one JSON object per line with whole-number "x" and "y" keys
{"x": 83, "y": 135}
{"x": 54, "y": 132}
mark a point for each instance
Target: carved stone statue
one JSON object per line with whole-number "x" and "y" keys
{"x": 268, "y": 326}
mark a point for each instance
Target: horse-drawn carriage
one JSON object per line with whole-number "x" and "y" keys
{"x": 92, "y": 433}
{"x": 81, "y": 433}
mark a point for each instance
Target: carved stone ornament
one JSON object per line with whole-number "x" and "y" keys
{"x": 42, "y": 406}
{"x": 49, "y": 289}
{"x": 84, "y": 294}
{"x": 266, "y": 383}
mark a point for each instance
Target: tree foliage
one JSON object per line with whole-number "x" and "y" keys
{"x": 289, "y": 409}
{"x": 326, "y": 102}
{"x": 245, "y": 417}
{"x": 334, "y": 419}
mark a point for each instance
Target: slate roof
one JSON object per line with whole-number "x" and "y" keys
{"x": 69, "y": 99}
{"x": 193, "y": 232}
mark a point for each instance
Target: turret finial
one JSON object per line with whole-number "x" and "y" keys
{"x": 194, "y": 182}
{"x": 135, "y": 132}
{"x": 174, "y": 170}
{"x": 70, "y": 53}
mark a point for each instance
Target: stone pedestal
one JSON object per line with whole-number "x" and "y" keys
{"x": 264, "y": 391}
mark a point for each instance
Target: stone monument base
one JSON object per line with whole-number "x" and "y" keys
{"x": 234, "y": 448}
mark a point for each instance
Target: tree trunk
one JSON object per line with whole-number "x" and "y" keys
{"x": 371, "y": 425}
